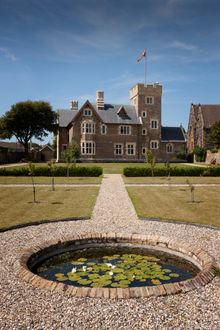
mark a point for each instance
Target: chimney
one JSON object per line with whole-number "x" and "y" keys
{"x": 74, "y": 105}
{"x": 100, "y": 100}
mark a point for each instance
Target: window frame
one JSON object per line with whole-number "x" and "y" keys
{"x": 85, "y": 112}
{"x": 168, "y": 145}
{"x": 149, "y": 100}
{"x": 124, "y": 127}
{"x": 154, "y": 121}
{"x": 133, "y": 144}
{"x": 85, "y": 129}
{"x": 85, "y": 146}
{"x": 115, "y": 149}
{"x": 157, "y": 145}
{"x": 105, "y": 130}
{"x": 144, "y": 114}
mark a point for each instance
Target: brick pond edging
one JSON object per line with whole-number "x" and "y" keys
{"x": 179, "y": 248}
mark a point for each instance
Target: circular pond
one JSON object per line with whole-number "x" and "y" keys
{"x": 114, "y": 265}
{"x": 119, "y": 267}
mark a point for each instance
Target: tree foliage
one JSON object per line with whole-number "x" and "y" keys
{"x": 214, "y": 137}
{"x": 71, "y": 154}
{"x": 26, "y": 120}
{"x": 200, "y": 154}
{"x": 150, "y": 159}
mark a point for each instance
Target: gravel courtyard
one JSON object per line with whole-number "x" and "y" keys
{"x": 24, "y": 307}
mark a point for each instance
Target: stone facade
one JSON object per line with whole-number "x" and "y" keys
{"x": 201, "y": 119}
{"x": 109, "y": 132}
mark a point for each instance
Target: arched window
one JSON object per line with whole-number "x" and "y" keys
{"x": 169, "y": 148}
{"x": 88, "y": 127}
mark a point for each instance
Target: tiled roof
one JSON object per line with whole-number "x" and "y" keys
{"x": 11, "y": 145}
{"x": 172, "y": 134}
{"x": 108, "y": 115}
{"x": 211, "y": 114}
{"x": 66, "y": 116}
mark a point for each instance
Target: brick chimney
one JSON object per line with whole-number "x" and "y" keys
{"x": 100, "y": 100}
{"x": 74, "y": 105}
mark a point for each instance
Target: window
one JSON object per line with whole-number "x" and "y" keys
{"x": 130, "y": 149}
{"x": 125, "y": 130}
{"x": 144, "y": 131}
{"x": 154, "y": 144}
{"x": 154, "y": 124}
{"x": 64, "y": 147}
{"x": 118, "y": 149}
{"x": 169, "y": 148}
{"x": 87, "y": 112}
{"x": 149, "y": 100}
{"x": 103, "y": 129}
{"x": 88, "y": 148}
{"x": 144, "y": 114}
{"x": 88, "y": 127}
{"x": 143, "y": 151}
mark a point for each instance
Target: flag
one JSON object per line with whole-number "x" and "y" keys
{"x": 143, "y": 54}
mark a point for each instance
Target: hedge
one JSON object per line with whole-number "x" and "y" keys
{"x": 57, "y": 171}
{"x": 174, "y": 171}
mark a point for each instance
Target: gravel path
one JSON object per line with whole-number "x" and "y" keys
{"x": 25, "y": 307}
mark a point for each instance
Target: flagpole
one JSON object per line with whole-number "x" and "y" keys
{"x": 145, "y": 69}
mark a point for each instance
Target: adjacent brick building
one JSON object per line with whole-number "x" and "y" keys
{"x": 117, "y": 132}
{"x": 201, "y": 119}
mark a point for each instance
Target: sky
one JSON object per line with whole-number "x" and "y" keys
{"x": 60, "y": 50}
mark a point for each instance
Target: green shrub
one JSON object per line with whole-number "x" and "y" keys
{"x": 200, "y": 154}
{"x": 58, "y": 171}
{"x": 174, "y": 171}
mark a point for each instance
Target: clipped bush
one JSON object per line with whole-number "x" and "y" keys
{"x": 94, "y": 171}
{"x": 174, "y": 171}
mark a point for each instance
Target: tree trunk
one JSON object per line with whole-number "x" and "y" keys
{"x": 25, "y": 144}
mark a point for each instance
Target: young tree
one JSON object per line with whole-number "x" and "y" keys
{"x": 192, "y": 190}
{"x": 31, "y": 173}
{"x": 150, "y": 159}
{"x": 51, "y": 165}
{"x": 214, "y": 137}
{"x": 26, "y": 120}
{"x": 71, "y": 154}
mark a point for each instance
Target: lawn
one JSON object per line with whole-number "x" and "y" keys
{"x": 175, "y": 204}
{"x": 17, "y": 205}
{"x": 173, "y": 179}
{"x": 47, "y": 180}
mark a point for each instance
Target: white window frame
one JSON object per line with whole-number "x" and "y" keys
{"x": 169, "y": 148}
{"x": 117, "y": 147}
{"x": 87, "y": 112}
{"x": 103, "y": 129}
{"x": 144, "y": 114}
{"x": 149, "y": 100}
{"x": 88, "y": 148}
{"x": 128, "y": 148}
{"x": 124, "y": 130}
{"x": 154, "y": 144}
{"x": 144, "y": 131}
{"x": 88, "y": 127}
{"x": 154, "y": 124}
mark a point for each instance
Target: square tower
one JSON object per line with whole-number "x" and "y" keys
{"x": 147, "y": 102}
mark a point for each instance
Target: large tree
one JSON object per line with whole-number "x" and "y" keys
{"x": 26, "y": 120}
{"x": 214, "y": 137}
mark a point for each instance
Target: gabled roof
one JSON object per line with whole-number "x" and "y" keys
{"x": 111, "y": 114}
{"x": 210, "y": 113}
{"x": 46, "y": 146}
{"x": 172, "y": 134}
{"x": 66, "y": 116}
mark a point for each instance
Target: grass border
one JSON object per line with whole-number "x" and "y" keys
{"x": 41, "y": 222}
{"x": 180, "y": 222}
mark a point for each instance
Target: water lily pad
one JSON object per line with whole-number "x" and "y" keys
{"x": 155, "y": 282}
{"x": 84, "y": 281}
{"x": 174, "y": 275}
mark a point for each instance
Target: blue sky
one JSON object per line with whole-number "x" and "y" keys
{"x": 58, "y": 50}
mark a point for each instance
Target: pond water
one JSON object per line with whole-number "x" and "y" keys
{"x": 115, "y": 267}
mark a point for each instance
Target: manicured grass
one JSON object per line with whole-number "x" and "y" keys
{"x": 173, "y": 179}
{"x": 47, "y": 180}
{"x": 17, "y": 205}
{"x": 175, "y": 204}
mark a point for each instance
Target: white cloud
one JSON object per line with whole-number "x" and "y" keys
{"x": 183, "y": 45}
{"x": 8, "y": 54}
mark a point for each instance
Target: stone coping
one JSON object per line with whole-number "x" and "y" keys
{"x": 194, "y": 254}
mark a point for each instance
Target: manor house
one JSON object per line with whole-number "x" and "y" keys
{"x": 118, "y": 132}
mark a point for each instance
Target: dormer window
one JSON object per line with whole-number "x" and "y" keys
{"x": 87, "y": 112}
{"x": 149, "y": 100}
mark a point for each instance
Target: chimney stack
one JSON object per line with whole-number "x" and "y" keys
{"x": 100, "y": 100}
{"x": 74, "y": 105}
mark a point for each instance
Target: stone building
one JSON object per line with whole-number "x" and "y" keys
{"x": 117, "y": 132}
{"x": 201, "y": 119}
